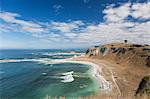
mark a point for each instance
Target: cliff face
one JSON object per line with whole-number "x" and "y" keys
{"x": 121, "y": 53}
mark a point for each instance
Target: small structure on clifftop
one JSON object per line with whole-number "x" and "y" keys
{"x": 125, "y": 41}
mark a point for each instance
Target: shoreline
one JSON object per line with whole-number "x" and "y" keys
{"x": 95, "y": 71}
{"x": 114, "y": 80}
{"x": 123, "y": 78}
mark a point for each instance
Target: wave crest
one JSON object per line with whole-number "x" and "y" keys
{"x": 25, "y": 60}
{"x": 67, "y": 77}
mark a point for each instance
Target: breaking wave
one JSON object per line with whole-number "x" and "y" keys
{"x": 68, "y": 73}
{"x": 67, "y": 77}
{"x": 45, "y": 60}
{"x": 64, "y": 77}
{"x": 25, "y": 60}
{"x": 69, "y": 53}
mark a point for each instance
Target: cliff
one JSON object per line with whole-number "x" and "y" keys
{"x": 132, "y": 61}
{"x": 122, "y": 53}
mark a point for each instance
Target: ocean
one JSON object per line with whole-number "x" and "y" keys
{"x": 35, "y": 74}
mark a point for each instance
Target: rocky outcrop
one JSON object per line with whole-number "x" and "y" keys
{"x": 144, "y": 86}
{"x": 122, "y": 52}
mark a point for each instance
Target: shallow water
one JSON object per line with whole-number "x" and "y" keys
{"x": 37, "y": 80}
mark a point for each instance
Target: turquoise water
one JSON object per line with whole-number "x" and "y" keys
{"x": 28, "y": 77}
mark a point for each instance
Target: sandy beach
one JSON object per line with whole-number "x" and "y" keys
{"x": 99, "y": 71}
{"x": 114, "y": 80}
{"x": 75, "y": 49}
{"x": 120, "y": 81}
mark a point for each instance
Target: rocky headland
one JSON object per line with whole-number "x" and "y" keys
{"x": 125, "y": 66}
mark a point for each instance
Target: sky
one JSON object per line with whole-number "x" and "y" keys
{"x": 61, "y": 24}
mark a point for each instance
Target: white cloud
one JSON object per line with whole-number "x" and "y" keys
{"x": 66, "y": 26}
{"x": 117, "y": 14}
{"x": 141, "y": 10}
{"x": 116, "y": 27}
{"x": 28, "y": 26}
{"x": 32, "y": 29}
{"x": 12, "y": 18}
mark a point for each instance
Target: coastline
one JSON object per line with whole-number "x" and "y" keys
{"x": 95, "y": 71}
{"x": 114, "y": 80}
{"x": 124, "y": 79}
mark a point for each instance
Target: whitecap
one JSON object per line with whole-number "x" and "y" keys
{"x": 67, "y": 78}
{"x": 68, "y": 73}
{"x": 44, "y": 74}
{"x": 25, "y": 60}
{"x": 62, "y": 53}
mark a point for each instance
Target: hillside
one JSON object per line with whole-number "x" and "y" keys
{"x": 122, "y": 53}
{"x": 130, "y": 64}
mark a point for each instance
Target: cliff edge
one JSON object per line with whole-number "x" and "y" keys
{"x": 131, "y": 65}
{"x": 122, "y": 53}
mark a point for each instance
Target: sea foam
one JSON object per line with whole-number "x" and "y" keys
{"x": 68, "y": 77}
{"x": 24, "y": 60}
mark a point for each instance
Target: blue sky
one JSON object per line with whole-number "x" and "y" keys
{"x": 73, "y": 23}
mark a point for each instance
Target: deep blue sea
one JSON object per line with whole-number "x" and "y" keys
{"x": 33, "y": 74}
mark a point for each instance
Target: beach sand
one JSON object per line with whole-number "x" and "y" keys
{"x": 123, "y": 79}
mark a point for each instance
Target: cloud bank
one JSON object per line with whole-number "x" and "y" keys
{"x": 127, "y": 21}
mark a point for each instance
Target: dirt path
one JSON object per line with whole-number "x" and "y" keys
{"x": 113, "y": 78}
{"x": 124, "y": 78}
{"x": 106, "y": 69}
